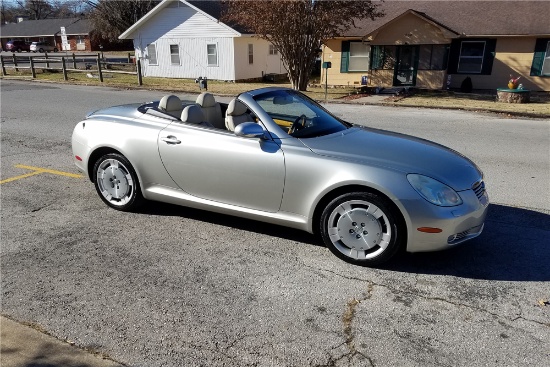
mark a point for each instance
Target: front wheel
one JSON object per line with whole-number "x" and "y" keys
{"x": 362, "y": 228}
{"x": 41, "y": 50}
{"x": 116, "y": 182}
{"x": 55, "y": 49}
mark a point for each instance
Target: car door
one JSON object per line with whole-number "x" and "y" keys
{"x": 217, "y": 165}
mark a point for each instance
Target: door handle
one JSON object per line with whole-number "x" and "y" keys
{"x": 171, "y": 139}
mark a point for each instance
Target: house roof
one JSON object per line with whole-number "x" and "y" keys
{"x": 468, "y": 18}
{"x": 46, "y": 27}
{"x": 210, "y": 8}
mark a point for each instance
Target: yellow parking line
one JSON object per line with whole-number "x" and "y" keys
{"x": 37, "y": 171}
{"x": 52, "y": 171}
{"x": 20, "y": 177}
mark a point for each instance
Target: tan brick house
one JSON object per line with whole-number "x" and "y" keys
{"x": 437, "y": 44}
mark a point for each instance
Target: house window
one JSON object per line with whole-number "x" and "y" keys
{"x": 174, "y": 54}
{"x": 541, "y": 58}
{"x": 250, "y": 53}
{"x": 80, "y": 40}
{"x": 546, "y": 64}
{"x": 358, "y": 56}
{"x": 152, "y": 54}
{"x": 355, "y": 56}
{"x": 212, "y": 52}
{"x": 383, "y": 57}
{"x": 272, "y": 50}
{"x": 471, "y": 57}
{"x": 433, "y": 57}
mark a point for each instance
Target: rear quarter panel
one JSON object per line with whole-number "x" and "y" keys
{"x": 135, "y": 138}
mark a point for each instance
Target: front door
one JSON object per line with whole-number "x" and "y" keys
{"x": 406, "y": 66}
{"x": 220, "y": 166}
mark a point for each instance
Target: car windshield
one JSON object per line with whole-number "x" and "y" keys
{"x": 298, "y": 115}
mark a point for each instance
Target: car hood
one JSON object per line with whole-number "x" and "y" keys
{"x": 401, "y": 152}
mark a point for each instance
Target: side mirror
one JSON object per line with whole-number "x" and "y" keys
{"x": 250, "y": 130}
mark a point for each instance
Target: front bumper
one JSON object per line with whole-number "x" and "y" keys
{"x": 458, "y": 224}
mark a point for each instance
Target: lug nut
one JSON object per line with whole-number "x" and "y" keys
{"x": 362, "y": 224}
{"x": 354, "y": 224}
{"x": 351, "y": 231}
{"x": 365, "y": 232}
{"x": 358, "y": 236}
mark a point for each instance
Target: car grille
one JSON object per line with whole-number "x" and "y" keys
{"x": 472, "y": 232}
{"x": 479, "y": 189}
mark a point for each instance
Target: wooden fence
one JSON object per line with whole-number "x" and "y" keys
{"x": 92, "y": 63}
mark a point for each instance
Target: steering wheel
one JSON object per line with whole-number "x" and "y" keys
{"x": 298, "y": 124}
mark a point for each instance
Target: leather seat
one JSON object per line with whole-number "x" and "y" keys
{"x": 171, "y": 105}
{"x": 236, "y": 114}
{"x": 211, "y": 109}
{"x": 192, "y": 114}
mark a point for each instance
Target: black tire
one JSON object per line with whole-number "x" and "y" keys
{"x": 18, "y": 50}
{"x": 362, "y": 228}
{"x": 116, "y": 182}
{"x": 55, "y": 49}
{"x": 41, "y": 50}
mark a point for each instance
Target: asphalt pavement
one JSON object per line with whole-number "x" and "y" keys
{"x": 84, "y": 285}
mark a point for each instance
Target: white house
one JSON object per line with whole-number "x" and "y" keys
{"x": 185, "y": 39}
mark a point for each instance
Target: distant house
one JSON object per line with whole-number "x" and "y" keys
{"x": 437, "y": 44}
{"x": 185, "y": 39}
{"x": 77, "y": 31}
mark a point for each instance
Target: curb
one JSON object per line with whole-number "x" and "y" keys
{"x": 30, "y": 345}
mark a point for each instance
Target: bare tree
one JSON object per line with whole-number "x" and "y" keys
{"x": 36, "y": 9}
{"x": 298, "y": 28}
{"x": 40, "y": 9}
{"x": 111, "y": 18}
{"x": 7, "y": 12}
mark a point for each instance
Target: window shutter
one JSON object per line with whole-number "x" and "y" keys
{"x": 376, "y": 57}
{"x": 344, "y": 64}
{"x": 538, "y": 57}
{"x": 454, "y": 55}
{"x": 489, "y": 57}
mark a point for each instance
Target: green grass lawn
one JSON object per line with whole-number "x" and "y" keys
{"x": 539, "y": 107}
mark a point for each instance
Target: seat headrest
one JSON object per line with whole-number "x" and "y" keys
{"x": 282, "y": 100}
{"x": 192, "y": 114}
{"x": 170, "y": 103}
{"x": 236, "y": 108}
{"x": 206, "y": 100}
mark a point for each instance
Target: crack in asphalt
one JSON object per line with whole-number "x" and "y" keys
{"x": 332, "y": 361}
{"x": 440, "y": 299}
{"x": 348, "y": 317}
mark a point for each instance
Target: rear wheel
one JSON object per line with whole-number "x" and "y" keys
{"x": 55, "y": 49}
{"x": 41, "y": 50}
{"x": 116, "y": 182}
{"x": 362, "y": 228}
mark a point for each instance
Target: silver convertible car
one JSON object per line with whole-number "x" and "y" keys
{"x": 275, "y": 155}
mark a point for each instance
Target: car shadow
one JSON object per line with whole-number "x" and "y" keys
{"x": 514, "y": 245}
{"x": 164, "y": 209}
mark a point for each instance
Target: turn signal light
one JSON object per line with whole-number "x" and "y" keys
{"x": 429, "y": 230}
{"x": 78, "y": 158}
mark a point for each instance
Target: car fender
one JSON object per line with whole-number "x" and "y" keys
{"x": 310, "y": 178}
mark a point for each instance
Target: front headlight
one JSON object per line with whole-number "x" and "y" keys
{"x": 434, "y": 191}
